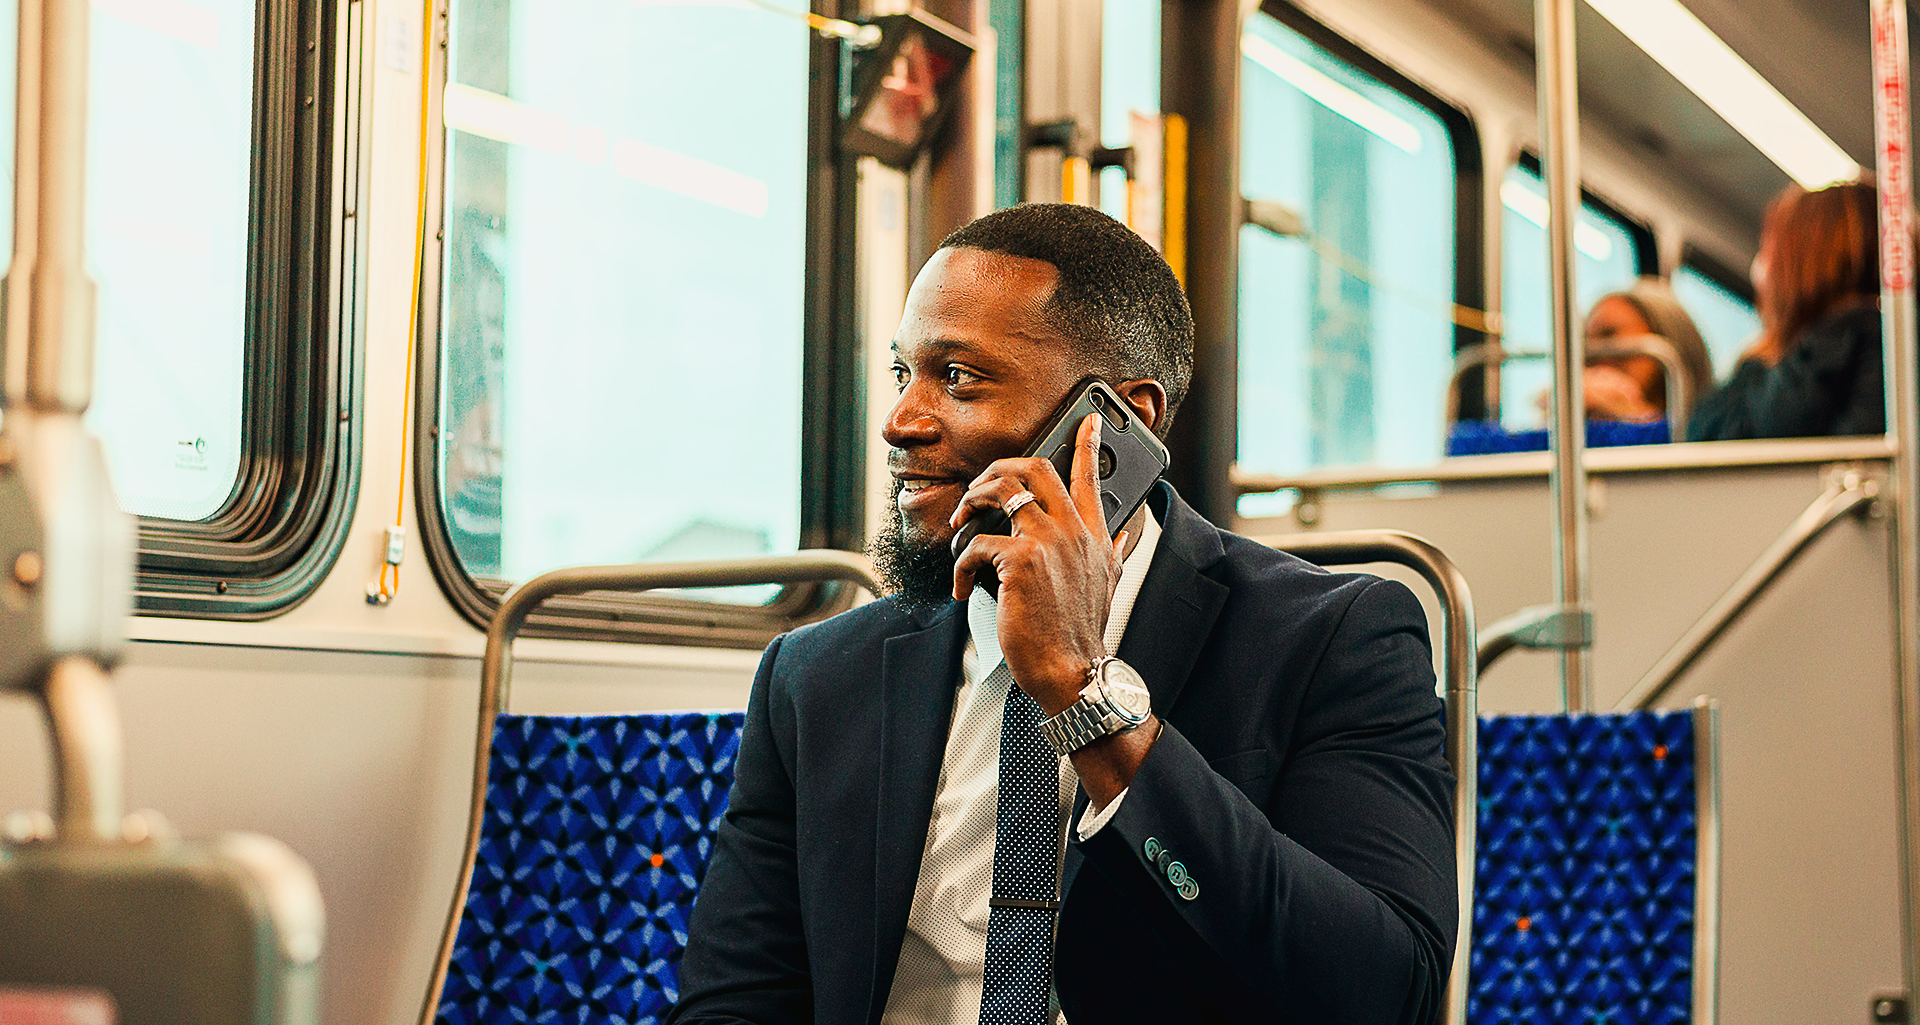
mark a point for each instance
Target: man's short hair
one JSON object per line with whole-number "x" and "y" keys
{"x": 1116, "y": 298}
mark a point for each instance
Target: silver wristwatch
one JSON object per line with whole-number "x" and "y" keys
{"x": 1114, "y": 700}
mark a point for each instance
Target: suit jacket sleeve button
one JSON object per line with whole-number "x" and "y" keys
{"x": 1151, "y": 848}
{"x": 1189, "y": 890}
{"x": 1177, "y": 874}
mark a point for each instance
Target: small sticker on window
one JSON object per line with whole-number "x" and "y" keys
{"x": 55, "y": 1007}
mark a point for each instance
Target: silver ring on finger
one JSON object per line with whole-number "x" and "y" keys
{"x": 1019, "y": 501}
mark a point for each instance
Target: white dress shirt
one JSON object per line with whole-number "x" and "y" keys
{"x": 943, "y": 958}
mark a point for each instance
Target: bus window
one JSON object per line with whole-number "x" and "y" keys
{"x": 1346, "y": 330}
{"x": 169, "y": 154}
{"x": 622, "y": 307}
{"x": 1607, "y": 258}
{"x": 1726, "y": 319}
{"x": 1129, "y": 83}
{"x": 225, "y": 261}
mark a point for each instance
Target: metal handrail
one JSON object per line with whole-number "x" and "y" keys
{"x": 1852, "y": 493}
{"x": 1460, "y": 670}
{"x": 1543, "y": 626}
{"x": 496, "y": 668}
{"x": 1523, "y": 465}
{"x": 1681, "y": 387}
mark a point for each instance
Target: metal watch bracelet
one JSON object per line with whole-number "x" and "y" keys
{"x": 1081, "y": 724}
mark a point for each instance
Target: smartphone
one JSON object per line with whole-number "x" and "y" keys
{"x": 1131, "y": 459}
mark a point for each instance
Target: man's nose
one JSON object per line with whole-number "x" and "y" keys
{"x": 911, "y": 422}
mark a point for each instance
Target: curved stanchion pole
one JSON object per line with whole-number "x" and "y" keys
{"x": 1849, "y": 496}
{"x": 1460, "y": 668}
{"x": 1542, "y": 626}
{"x": 1494, "y": 644}
{"x": 89, "y": 777}
{"x": 496, "y": 669}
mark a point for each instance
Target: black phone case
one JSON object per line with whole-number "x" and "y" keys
{"x": 1131, "y": 460}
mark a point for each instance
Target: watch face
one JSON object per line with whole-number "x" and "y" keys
{"x": 1125, "y": 691}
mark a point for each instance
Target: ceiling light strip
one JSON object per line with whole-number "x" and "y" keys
{"x": 1679, "y": 42}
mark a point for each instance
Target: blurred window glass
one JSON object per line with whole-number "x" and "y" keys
{"x": 1129, "y": 84}
{"x": 1346, "y": 329}
{"x": 626, "y": 191}
{"x": 169, "y": 163}
{"x": 1606, "y": 259}
{"x": 1726, "y": 320}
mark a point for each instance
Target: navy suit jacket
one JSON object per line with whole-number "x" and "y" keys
{"x": 1300, "y": 782}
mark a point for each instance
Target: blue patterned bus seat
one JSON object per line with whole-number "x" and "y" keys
{"x": 1584, "y": 913}
{"x": 596, "y": 836}
{"x": 1484, "y": 437}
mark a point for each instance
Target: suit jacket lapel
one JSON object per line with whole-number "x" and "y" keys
{"x": 1171, "y": 620}
{"x": 919, "y": 674}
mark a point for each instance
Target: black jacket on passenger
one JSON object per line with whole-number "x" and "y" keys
{"x": 1300, "y": 778}
{"x": 1827, "y": 385}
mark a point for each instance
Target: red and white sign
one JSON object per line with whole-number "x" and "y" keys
{"x": 1892, "y": 132}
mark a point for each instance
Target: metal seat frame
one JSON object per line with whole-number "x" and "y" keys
{"x": 496, "y": 668}
{"x": 1681, "y": 388}
{"x": 1459, "y": 670}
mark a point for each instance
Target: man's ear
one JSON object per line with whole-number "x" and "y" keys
{"x": 1148, "y": 399}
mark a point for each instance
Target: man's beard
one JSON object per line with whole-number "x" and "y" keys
{"x": 916, "y": 566}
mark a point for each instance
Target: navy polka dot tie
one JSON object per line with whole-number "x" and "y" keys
{"x": 1018, "y": 981}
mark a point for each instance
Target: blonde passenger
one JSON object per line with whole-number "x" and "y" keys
{"x": 1634, "y": 387}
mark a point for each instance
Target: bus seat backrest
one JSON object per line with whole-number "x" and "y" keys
{"x": 596, "y": 836}
{"x": 598, "y": 831}
{"x": 1584, "y": 910}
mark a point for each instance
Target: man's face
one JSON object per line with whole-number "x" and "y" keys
{"x": 979, "y": 371}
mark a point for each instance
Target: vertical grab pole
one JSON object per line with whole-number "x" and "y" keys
{"x": 1891, "y": 126}
{"x": 1560, "y": 155}
{"x": 65, "y": 625}
{"x": 57, "y": 294}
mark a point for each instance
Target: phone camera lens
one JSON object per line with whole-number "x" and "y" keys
{"x": 1106, "y": 462}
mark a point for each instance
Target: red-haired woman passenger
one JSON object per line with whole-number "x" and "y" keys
{"x": 1815, "y": 370}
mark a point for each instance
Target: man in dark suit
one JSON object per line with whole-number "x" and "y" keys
{"x": 951, "y": 805}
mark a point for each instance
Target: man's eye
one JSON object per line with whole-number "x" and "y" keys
{"x": 957, "y": 376}
{"x": 900, "y": 376}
